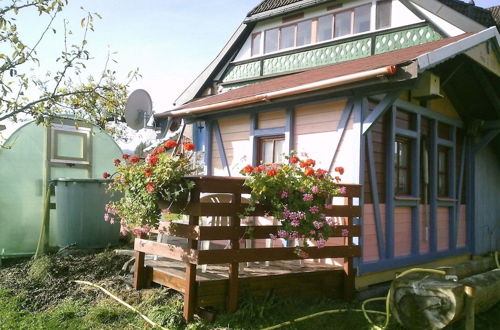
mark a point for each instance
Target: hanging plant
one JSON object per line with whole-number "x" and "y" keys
{"x": 144, "y": 182}
{"x": 296, "y": 194}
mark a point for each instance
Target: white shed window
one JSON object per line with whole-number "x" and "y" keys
{"x": 70, "y": 145}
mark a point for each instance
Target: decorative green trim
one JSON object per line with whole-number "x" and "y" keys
{"x": 316, "y": 57}
{"x": 404, "y": 39}
{"x": 243, "y": 71}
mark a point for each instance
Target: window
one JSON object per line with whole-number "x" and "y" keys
{"x": 256, "y": 44}
{"x": 70, "y": 145}
{"x": 443, "y": 172}
{"x": 362, "y": 19}
{"x": 271, "y": 149}
{"x": 287, "y": 37}
{"x": 304, "y": 33}
{"x": 384, "y": 12}
{"x": 271, "y": 41}
{"x": 325, "y": 28}
{"x": 343, "y": 23}
{"x": 402, "y": 166}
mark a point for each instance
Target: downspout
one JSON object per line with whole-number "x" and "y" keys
{"x": 264, "y": 97}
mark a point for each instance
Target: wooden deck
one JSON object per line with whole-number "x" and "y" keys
{"x": 221, "y": 285}
{"x": 283, "y": 278}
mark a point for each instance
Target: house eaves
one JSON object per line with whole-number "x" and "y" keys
{"x": 283, "y": 9}
{"x": 431, "y": 59}
{"x": 450, "y": 15}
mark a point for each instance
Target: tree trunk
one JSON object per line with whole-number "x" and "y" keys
{"x": 423, "y": 301}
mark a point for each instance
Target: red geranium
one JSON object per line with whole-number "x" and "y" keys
{"x": 320, "y": 173}
{"x": 340, "y": 170}
{"x": 170, "y": 144}
{"x": 311, "y": 162}
{"x": 147, "y": 172}
{"x": 272, "y": 172}
{"x": 308, "y": 171}
{"x": 134, "y": 159}
{"x": 188, "y": 146}
{"x": 248, "y": 169}
{"x": 337, "y": 178}
{"x": 150, "y": 187}
{"x": 117, "y": 162}
{"x": 294, "y": 160}
{"x": 125, "y": 156}
{"x": 106, "y": 175}
{"x": 152, "y": 160}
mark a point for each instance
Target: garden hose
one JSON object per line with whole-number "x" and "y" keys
{"x": 496, "y": 259}
{"x": 153, "y": 324}
{"x": 363, "y": 309}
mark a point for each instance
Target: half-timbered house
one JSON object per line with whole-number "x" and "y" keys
{"x": 404, "y": 94}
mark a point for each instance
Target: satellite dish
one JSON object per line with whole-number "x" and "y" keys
{"x": 139, "y": 109}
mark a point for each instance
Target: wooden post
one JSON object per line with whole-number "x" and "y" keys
{"x": 232, "y": 301}
{"x": 469, "y": 307}
{"x": 190, "y": 289}
{"x": 139, "y": 269}
{"x": 348, "y": 264}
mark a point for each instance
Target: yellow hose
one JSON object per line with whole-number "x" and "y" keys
{"x": 363, "y": 309}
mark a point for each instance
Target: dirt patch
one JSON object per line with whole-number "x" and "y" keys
{"x": 48, "y": 280}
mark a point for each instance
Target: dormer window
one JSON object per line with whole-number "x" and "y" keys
{"x": 323, "y": 28}
{"x": 384, "y": 12}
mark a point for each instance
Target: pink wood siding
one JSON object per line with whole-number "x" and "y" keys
{"x": 270, "y": 119}
{"x": 370, "y": 247}
{"x": 443, "y": 225}
{"x": 235, "y": 133}
{"x": 402, "y": 231}
{"x": 461, "y": 241}
{"x": 315, "y": 129}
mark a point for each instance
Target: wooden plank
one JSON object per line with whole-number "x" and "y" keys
{"x": 344, "y": 211}
{"x": 271, "y": 254}
{"x": 165, "y": 250}
{"x": 232, "y": 299}
{"x": 190, "y": 280}
{"x": 210, "y": 233}
{"x": 389, "y": 186}
{"x": 341, "y": 132}
{"x": 208, "y": 147}
{"x": 165, "y": 279}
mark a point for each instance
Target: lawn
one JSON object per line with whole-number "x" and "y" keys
{"x": 40, "y": 294}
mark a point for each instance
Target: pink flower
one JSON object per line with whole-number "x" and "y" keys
{"x": 315, "y": 189}
{"x": 343, "y": 190}
{"x": 314, "y": 209}
{"x": 106, "y": 217}
{"x": 146, "y": 229}
{"x": 328, "y": 206}
{"x": 294, "y": 235}
{"x": 322, "y": 216}
{"x": 284, "y": 194}
{"x": 137, "y": 231}
{"x": 112, "y": 221}
{"x": 282, "y": 234}
{"x": 345, "y": 232}
{"x": 330, "y": 222}
{"x": 312, "y": 232}
{"x": 318, "y": 224}
{"x": 321, "y": 243}
{"x": 308, "y": 197}
{"x": 273, "y": 237}
{"x": 295, "y": 223}
{"x": 165, "y": 211}
{"x": 123, "y": 231}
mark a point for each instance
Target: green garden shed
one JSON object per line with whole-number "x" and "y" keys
{"x": 70, "y": 157}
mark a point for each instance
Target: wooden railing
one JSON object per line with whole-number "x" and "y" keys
{"x": 193, "y": 232}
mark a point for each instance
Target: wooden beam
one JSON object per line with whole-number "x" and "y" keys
{"x": 460, "y": 185}
{"x": 389, "y": 185}
{"x": 208, "y": 147}
{"x": 271, "y": 254}
{"x": 380, "y": 109}
{"x": 491, "y": 125}
{"x": 415, "y": 187}
{"x": 165, "y": 250}
{"x": 374, "y": 194}
{"x": 192, "y": 247}
{"x": 270, "y": 131}
{"x": 220, "y": 146}
{"x": 452, "y": 169}
{"x": 341, "y": 131}
{"x": 433, "y": 185}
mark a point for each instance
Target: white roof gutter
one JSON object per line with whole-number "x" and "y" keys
{"x": 435, "y": 57}
{"x": 322, "y": 84}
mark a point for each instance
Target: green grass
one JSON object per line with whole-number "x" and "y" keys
{"x": 40, "y": 295}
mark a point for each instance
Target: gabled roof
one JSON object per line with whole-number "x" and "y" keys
{"x": 269, "y": 5}
{"x": 495, "y": 13}
{"x": 427, "y": 55}
{"x": 478, "y": 14}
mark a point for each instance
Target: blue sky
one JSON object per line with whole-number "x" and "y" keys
{"x": 171, "y": 41}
